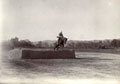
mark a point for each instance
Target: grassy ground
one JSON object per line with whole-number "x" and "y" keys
{"x": 87, "y": 68}
{"x": 112, "y": 51}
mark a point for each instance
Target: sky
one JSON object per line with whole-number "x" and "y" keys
{"x": 43, "y": 19}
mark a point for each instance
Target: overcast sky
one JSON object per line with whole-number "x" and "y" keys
{"x": 44, "y": 19}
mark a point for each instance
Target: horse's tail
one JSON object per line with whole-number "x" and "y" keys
{"x": 65, "y": 40}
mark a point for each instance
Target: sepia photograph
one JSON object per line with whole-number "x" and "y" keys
{"x": 59, "y": 41}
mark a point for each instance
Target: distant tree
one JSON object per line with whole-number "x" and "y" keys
{"x": 46, "y": 44}
{"x": 39, "y": 44}
{"x": 115, "y": 43}
{"x": 71, "y": 44}
{"x": 15, "y": 42}
{"x": 26, "y": 43}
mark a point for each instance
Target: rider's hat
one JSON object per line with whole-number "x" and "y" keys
{"x": 60, "y": 34}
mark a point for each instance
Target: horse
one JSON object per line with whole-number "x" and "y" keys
{"x": 60, "y": 43}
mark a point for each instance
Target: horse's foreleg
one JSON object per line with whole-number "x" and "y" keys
{"x": 56, "y": 47}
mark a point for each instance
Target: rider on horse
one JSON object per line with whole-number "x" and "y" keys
{"x": 60, "y": 37}
{"x": 61, "y": 41}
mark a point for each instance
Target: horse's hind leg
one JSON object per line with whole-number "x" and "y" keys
{"x": 56, "y": 47}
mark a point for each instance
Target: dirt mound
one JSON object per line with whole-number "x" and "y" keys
{"x": 11, "y": 54}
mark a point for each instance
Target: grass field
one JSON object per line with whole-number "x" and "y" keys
{"x": 87, "y": 68}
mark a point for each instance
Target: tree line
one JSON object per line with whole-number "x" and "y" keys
{"x": 73, "y": 44}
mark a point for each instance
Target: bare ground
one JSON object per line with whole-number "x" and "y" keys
{"x": 87, "y": 68}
